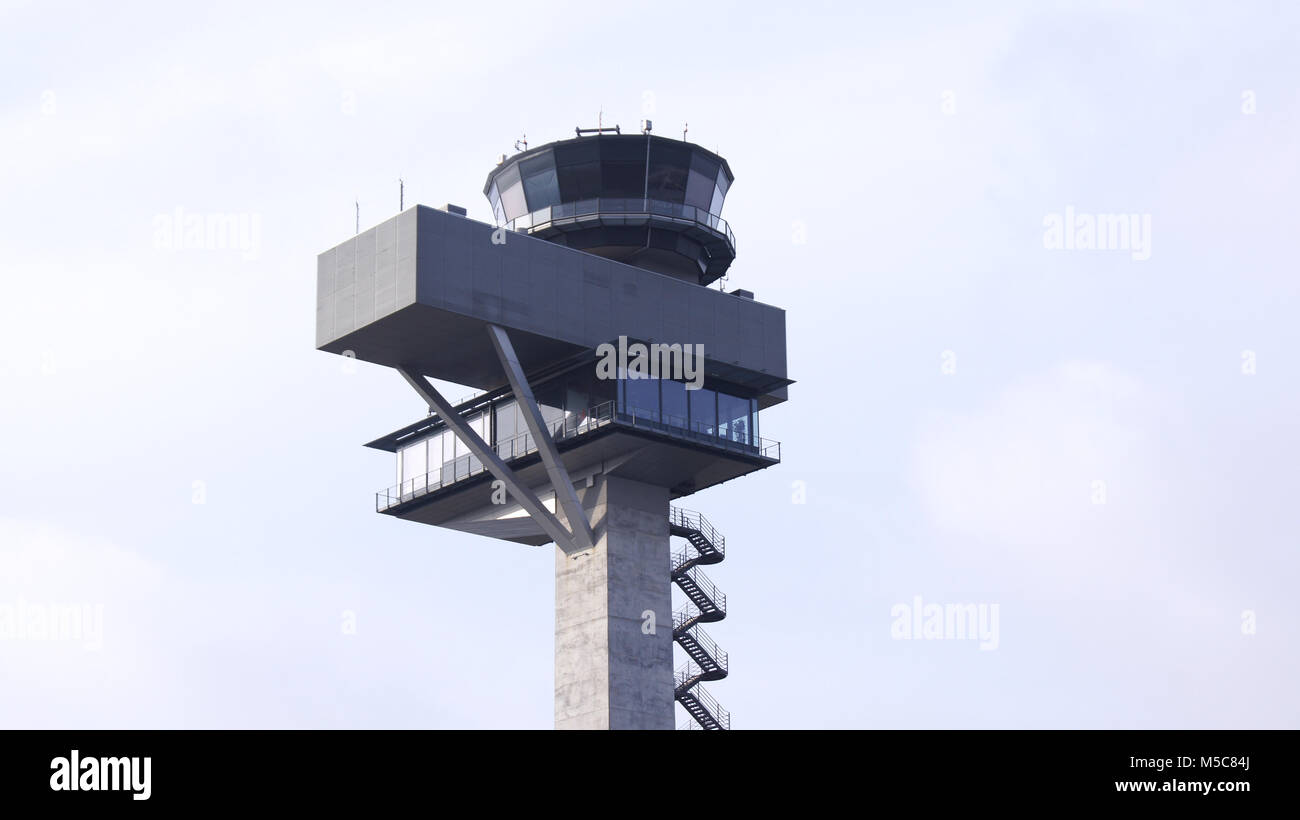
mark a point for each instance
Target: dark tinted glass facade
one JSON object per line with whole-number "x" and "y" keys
{"x": 608, "y": 167}
{"x": 668, "y": 402}
{"x": 541, "y": 186}
{"x": 569, "y": 405}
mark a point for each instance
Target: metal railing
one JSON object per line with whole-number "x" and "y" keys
{"x": 710, "y": 703}
{"x": 710, "y": 647}
{"x": 710, "y": 590}
{"x": 688, "y": 614}
{"x": 686, "y": 682}
{"x": 687, "y": 619}
{"x": 467, "y": 466}
{"x": 573, "y": 425}
{"x": 713, "y": 434}
{"x": 687, "y": 675}
{"x": 691, "y": 520}
{"x": 609, "y": 209}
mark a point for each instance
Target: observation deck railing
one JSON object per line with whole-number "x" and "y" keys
{"x": 571, "y": 426}
{"x": 610, "y": 209}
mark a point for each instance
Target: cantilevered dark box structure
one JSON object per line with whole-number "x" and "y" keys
{"x": 605, "y": 243}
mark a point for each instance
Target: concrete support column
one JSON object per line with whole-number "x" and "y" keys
{"x": 611, "y": 672}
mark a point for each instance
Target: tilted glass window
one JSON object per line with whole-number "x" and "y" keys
{"x": 715, "y": 207}
{"x": 512, "y": 192}
{"x": 541, "y": 186}
{"x": 494, "y": 196}
{"x": 702, "y": 181}
{"x": 669, "y": 167}
{"x": 625, "y": 180}
{"x": 579, "y": 181}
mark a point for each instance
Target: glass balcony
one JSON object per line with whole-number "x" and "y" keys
{"x": 733, "y": 438}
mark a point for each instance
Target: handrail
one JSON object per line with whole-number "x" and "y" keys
{"x": 671, "y": 424}
{"x": 716, "y": 596}
{"x": 716, "y": 653}
{"x": 570, "y": 426}
{"x": 686, "y": 679}
{"x": 692, "y": 520}
{"x": 687, "y": 618}
{"x": 721, "y": 715}
{"x": 687, "y": 675}
{"x": 516, "y": 446}
{"x": 624, "y": 206}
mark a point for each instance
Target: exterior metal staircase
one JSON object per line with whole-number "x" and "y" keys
{"x": 705, "y": 604}
{"x": 704, "y": 709}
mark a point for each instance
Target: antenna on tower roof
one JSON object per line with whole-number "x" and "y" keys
{"x": 401, "y": 194}
{"x": 522, "y": 141}
{"x": 358, "y": 204}
{"x": 600, "y": 126}
{"x": 685, "y": 127}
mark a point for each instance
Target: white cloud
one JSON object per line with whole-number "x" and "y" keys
{"x": 94, "y": 677}
{"x": 1021, "y": 471}
{"x": 1109, "y": 597}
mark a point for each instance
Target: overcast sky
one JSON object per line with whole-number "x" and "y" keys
{"x": 1102, "y": 444}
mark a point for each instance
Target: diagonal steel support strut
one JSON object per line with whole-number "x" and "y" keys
{"x": 564, "y": 492}
{"x": 521, "y": 493}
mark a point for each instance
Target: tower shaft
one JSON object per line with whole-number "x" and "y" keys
{"x": 613, "y": 614}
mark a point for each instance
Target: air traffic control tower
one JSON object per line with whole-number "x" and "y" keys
{"x": 599, "y": 265}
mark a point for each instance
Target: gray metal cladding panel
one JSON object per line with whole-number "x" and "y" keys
{"x": 406, "y": 228}
{"x": 364, "y": 305}
{"x": 703, "y": 319}
{"x": 675, "y": 311}
{"x": 429, "y": 255}
{"x": 749, "y": 329}
{"x": 325, "y": 297}
{"x": 344, "y": 311}
{"x": 516, "y": 293}
{"x": 543, "y": 284}
{"x": 597, "y": 299}
{"x": 631, "y": 294}
{"x": 488, "y": 260}
{"x": 555, "y": 301}
{"x": 568, "y": 304}
{"x": 345, "y": 275}
{"x": 324, "y": 278}
{"x": 383, "y": 289}
{"x": 345, "y": 269}
{"x": 726, "y": 326}
{"x": 774, "y": 341}
{"x": 457, "y": 269}
{"x": 404, "y": 278}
